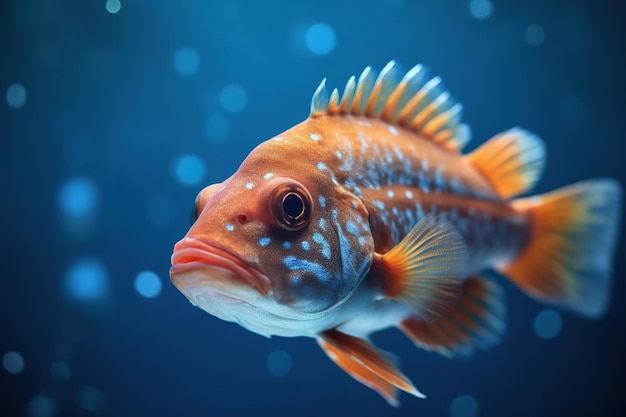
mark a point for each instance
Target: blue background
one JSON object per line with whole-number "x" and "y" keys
{"x": 107, "y": 106}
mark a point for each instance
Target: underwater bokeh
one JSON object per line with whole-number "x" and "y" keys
{"x": 115, "y": 113}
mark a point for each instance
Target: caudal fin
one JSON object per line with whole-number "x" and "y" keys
{"x": 567, "y": 261}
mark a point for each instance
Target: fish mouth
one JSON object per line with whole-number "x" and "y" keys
{"x": 195, "y": 255}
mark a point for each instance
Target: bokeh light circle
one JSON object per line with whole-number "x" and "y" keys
{"x": 13, "y": 362}
{"x": 464, "y": 406}
{"x": 279, "y": 363}
{"x": 548, "y": 324}
{"x": 189, "y": 169}
{"x": 320, "y": 39}
{"x": 16, "y": 95}
{"x": 148, "y": 284}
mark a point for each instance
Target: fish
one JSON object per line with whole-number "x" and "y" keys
{"x": 367, "y": 215}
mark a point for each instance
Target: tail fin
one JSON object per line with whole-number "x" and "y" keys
{"x": 567, "y": 261}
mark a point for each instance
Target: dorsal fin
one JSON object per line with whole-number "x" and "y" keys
{"x": 414, "y": 100}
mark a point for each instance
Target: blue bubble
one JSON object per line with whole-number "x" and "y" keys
{"x": 13, "y": 362}
{"x": 87, "y": 280}
{"x": 113, "y": 6}
{"x": 89, "y": 398}
{"x": 548, "y": 324}
{"x": 320, "y": 39}
{"x": 233, "y": 98}
{"x": 534, "y": 35}
{"x": 189, "y": 169}
{"x": 41, "y": 406}
{"x": 60, "y": 370}
{"x": 481, "y": 9}
{"x": 186, "y": 61}
{"x": 464, "y": 406}
{"x": 148, "y": 284}
{"x": 78, "y": 197}
{"x": 217, "y": 128}
{"x": 279, "y": 363}
{"x": 16, "y": 95}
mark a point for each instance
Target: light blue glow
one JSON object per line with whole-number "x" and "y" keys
{"x": 264, "y": 241}
{"x": 390, "y": 194}
{"x": 189, "y": 169}
{"x": 87, "y": 279}
{"x": 41, "y": 406}
{"x": 306, "y": 245}
{"x": 534, "y": 35}
{"x": 13, "y": 362}
{"x": 60, "y": 370}
{"x": 230, "y": 227}
{"x": 322, "y": 224}
{"x": 113, "y": 6}
{"x": 78, "y": 197}
{"x": 322, "y": 201}
{"x": 320, "y": 39}
{"x": 267, "y": 176}
{"x": 217, "y": 128}
{"x": 548, "y": 324}
{"x": 279, "y": 363}
{"x": 16, "y": 96}
{"x": 249, "y": 185}
{"x": 339, "y": 154}
{"x": 89, "y": 398}
{"x": 286, "y": 245}
{"x": 464, "y": 406}
{"x": 233, "y": 98}
{"x": 314, "y": 137}
{"x": 186, "y": 61}
{"x": 148, "y": 284}
{"x": 481, "y": 9}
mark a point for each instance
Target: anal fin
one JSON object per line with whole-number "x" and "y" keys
{"x": 366, "y": 364}
{"x": 476, "y": 320}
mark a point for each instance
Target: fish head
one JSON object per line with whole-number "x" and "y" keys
{"x": 286, "y": 240}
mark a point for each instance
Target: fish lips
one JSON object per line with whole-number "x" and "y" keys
{"x": 193, "y": 256}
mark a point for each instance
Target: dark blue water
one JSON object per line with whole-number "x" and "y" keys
{"x": 114, "y": 115}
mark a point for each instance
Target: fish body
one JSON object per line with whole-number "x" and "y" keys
{"x": 367, "y": 216}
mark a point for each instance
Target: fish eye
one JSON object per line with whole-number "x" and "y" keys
{"x": 291, "y": 206}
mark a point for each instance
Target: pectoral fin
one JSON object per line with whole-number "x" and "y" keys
{"x": 366, "y": 364}
{"x": 425, "y": 270}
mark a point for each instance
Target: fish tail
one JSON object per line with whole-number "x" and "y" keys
{"x": 567, "y": 260}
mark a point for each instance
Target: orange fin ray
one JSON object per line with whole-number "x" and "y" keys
{"x": 511, "y": 161}
{"x": 476, "y": 320}
{"x": 425, "y": 269}
{"x": 366, "y": 364}
{"x": 416, "y": 101}
{"x": 567, "y": 261}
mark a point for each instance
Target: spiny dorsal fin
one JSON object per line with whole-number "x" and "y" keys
{"x": 415, "y": 101}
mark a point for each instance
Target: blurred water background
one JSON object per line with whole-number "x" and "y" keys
{"x": 114, "y": 114}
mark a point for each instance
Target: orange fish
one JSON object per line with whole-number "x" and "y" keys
{"x": 367, "y": 216}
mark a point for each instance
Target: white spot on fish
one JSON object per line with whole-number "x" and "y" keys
{"x": 264, "y": 241}
{"x": 322, "y": 224}
{"x": 267, "y": 176}
{"x": 315, "y": 137}
{"x": 355, "y": 204}
{"x": 249, "y": 185}
{"x": 230, "y": 227}
{"x": 318, "y": 238}
{"x": 361, "y": 241}
{"x": 321, "y": 166}
{"x": 339, "y": 154}
{"x": 352, "y": 228}
{"x": 379, "y": 204}
{"x": 408, "y": 194}
{"x": 306, "y": 245}
{"x": 278, "y": 138}
{"x": 322, "y": 201}
{"x": 390, "y": 194}
{"x": 286, "y": 245}
{"x": 393, "y": 130}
